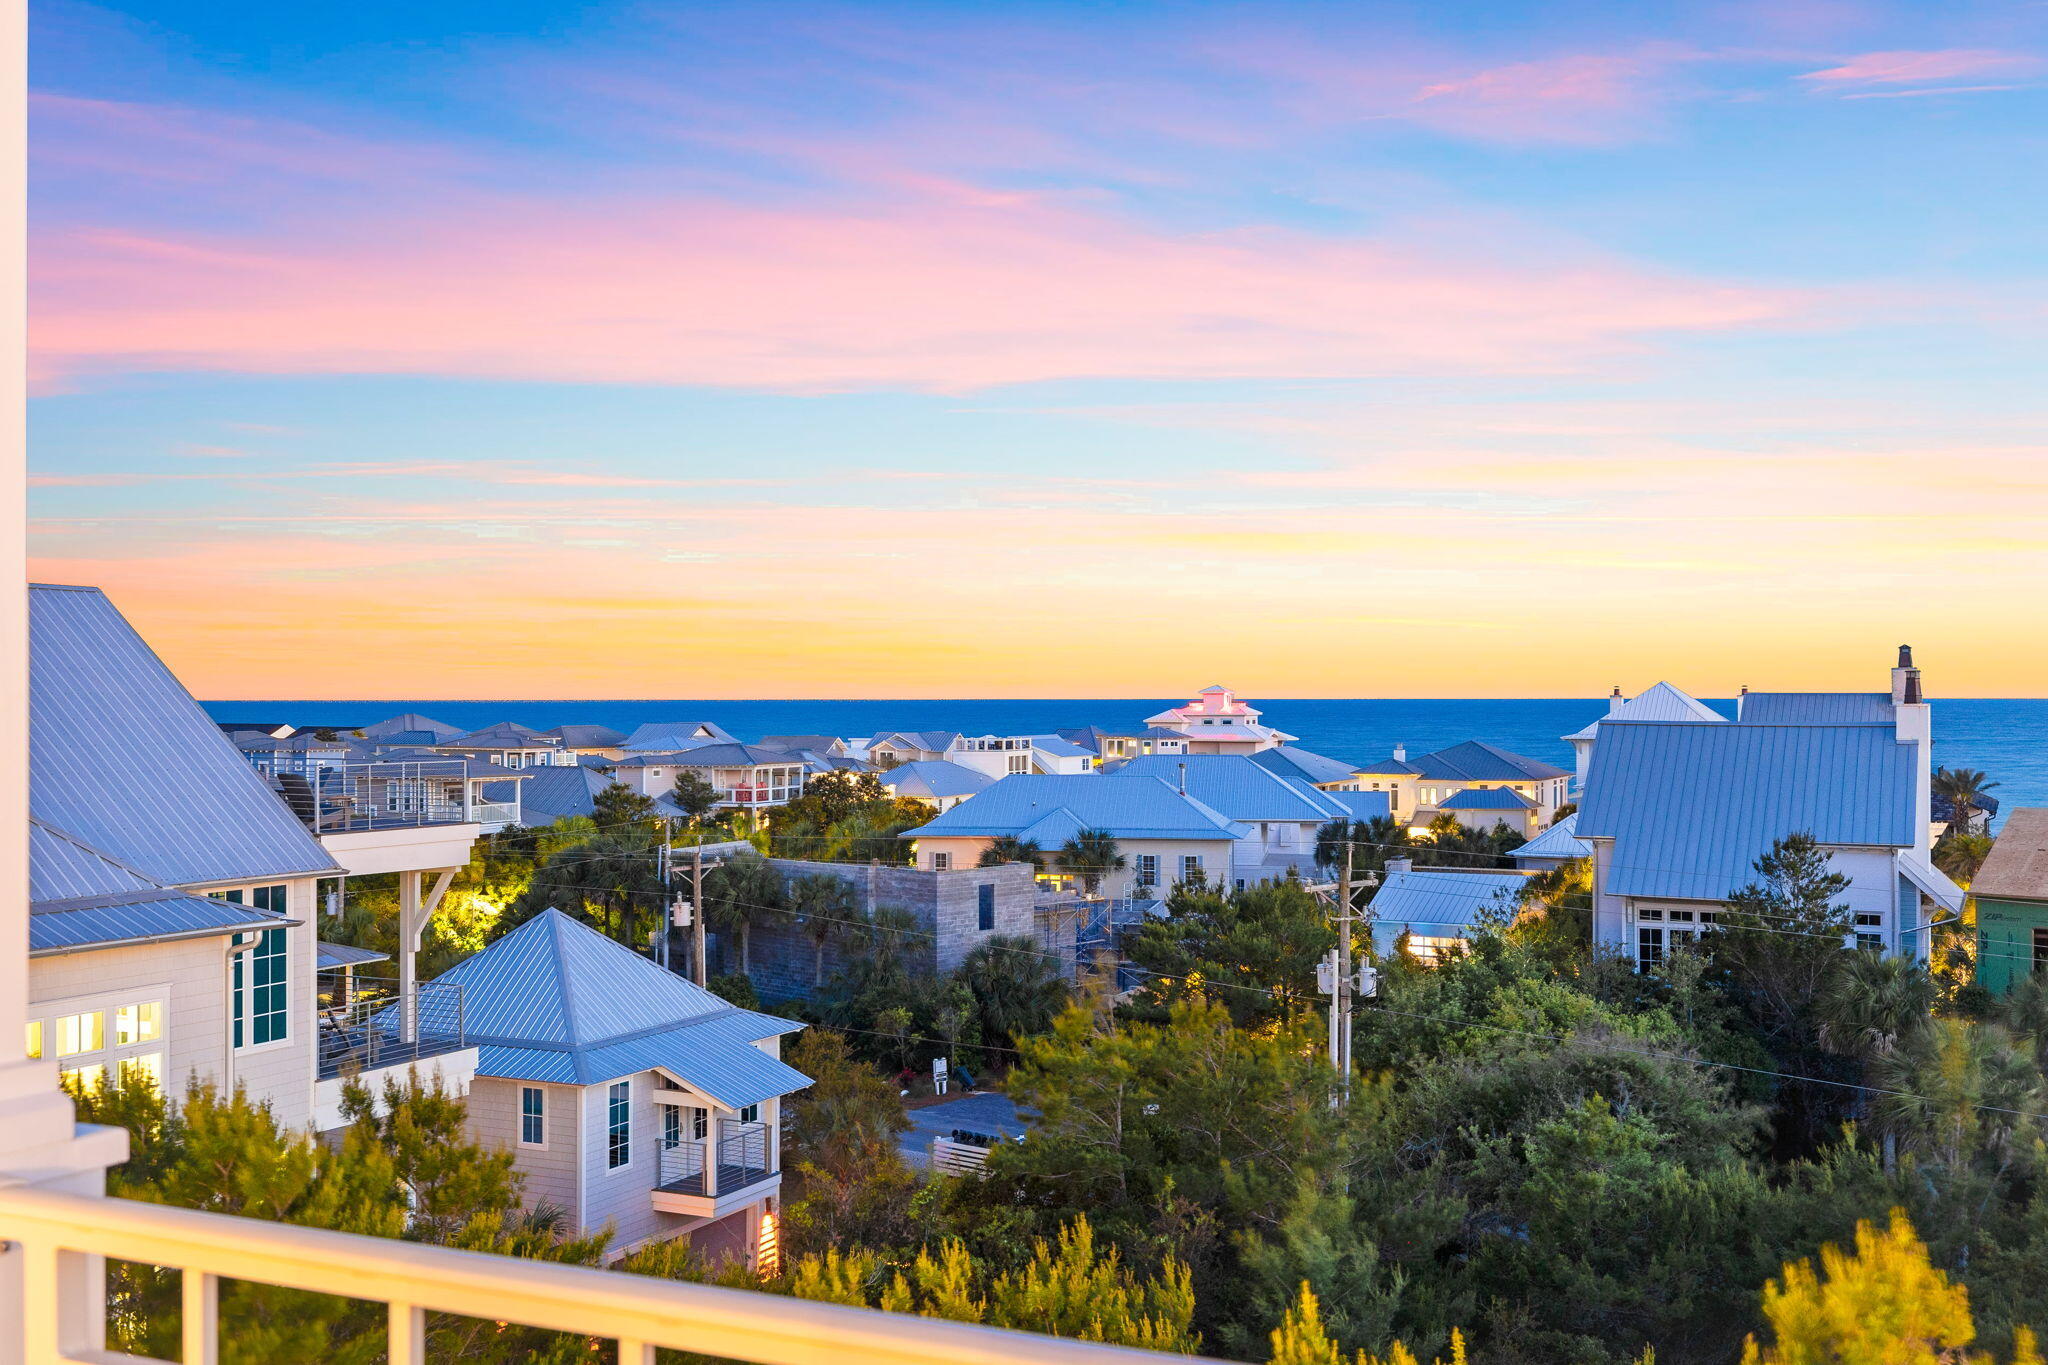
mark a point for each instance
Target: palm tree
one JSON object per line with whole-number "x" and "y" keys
{"x": 1873, "y": 1005}
{"x": 1016, "y": 985}
{"x": 1960, "y": 855}
{"x": 825, "y": 906}
{"x": 1007, "y": 849}
{"x": 1963, "y": 789}
{"x": 737, "y": 895}
{"x": 1091, "y": 855}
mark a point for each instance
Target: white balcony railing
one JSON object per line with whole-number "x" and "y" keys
{"x": 61, "y": 1236}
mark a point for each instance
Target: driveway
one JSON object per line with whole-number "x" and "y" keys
{"x": 985, "y": 1113}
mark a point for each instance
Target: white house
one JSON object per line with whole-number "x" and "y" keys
{"x": 1281, "y": 814}
{"x": 745, "y": 776}
{"x": 1677, "y": 812}
{"x": 627, "y": 1096}
{"x": 1164, "y": 835}
{"x": 1216, "y": 722}
{"x": 939, "y": 784}
{"x": 1523, "y": 793}
{"x": 1108, "y": 746}
{"x": 175, "y": 897}
{"x": 1439, "y": 908}
{"x": 1658, "y": 702}
{"x": 1001, "y": 755}
{"x": 509, "y": 745}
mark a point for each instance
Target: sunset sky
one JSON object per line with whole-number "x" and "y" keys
{"x": 1030, "y": 349}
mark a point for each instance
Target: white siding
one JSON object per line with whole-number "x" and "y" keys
{"x": 550, "y": 1171}
{"x": 190, "y": 977}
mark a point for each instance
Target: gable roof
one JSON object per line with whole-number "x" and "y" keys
{"x": 934, "y": 778}
{"x": 555, "y": 1000}
{"x": 936, "y": 741}
{"x": 1690, "y": 807}
{"x": 1477, "y": 761}
{"x": 506, "y": 734}
{"x": 1486, "y": 798}
{"x": 1129, "y": 808}
{"x": 1289, "y": 761}
{"x": 710, "y": 755}
{"x": 123, "y": 759}
{"x": 1560, "y": 842}
{"x": 1660, "y": 701}
{"x": 820, "y": 744}
{"x": 676, "y": 734}
{"x": 587, "y": 736}
{"x": 1815, "y": 708}
{"x": 413, "y": 723}
{"x": 1364, "y": 805}
{"x": 1234, "y": 786}
{"x": 1388, "y": 766}
{"x": 553, "y": 791}
{"x": 1443, "y": 897}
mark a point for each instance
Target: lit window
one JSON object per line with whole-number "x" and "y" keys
{"x": 139, "y": 1023}
{"x": 84, "y": 1080}
{"x": 35, "y": 1039}
{"x": 533, "y": 1116}
{"x": 78, "y": 1033}
{"x": 1428, "y": 948}
{"x": 619, "y": 1125}
{"x": 145, "y": 1067}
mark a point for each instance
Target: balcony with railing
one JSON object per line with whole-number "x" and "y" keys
{"x": 710, "y": 1177}
{"x": 368, "y": 1024}
{"x": 395, "y": 794}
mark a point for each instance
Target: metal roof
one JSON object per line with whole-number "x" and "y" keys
{"x": 1289, "y": 761}
{"x": 587, "y": 736}
{"x": 556, "y": 1000}
{"x": 506, "y": 734}
{"x": 1690, "y": 807}
{"x": 1815, "y": 708}
{"x": 123, "y": 759}
{"x": 934, "y": 778}
{"x": 1235, "y": 786}
{"x": 1486, "y": 798}
{"x": 66, "y": 926}
{"x": 1660, "y": 702}
{"x": 1363, "y": 805}
{"x": 1477, "y": 761}
{"x": 676, "y": 734}
{"x": 1559, "y": 842}
{"x": 1443, "y": 897}
{"x": 412, "y": 723}
{"x": 707, "y": 754}
{"x": 1128, "y": 807}
{"x": 1388, "y": 766}
{"x": 330, "y": 957}
{"x": 555, "y": 790}
{"x": 61, "y": 867}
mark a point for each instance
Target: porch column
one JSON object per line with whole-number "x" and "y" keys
{"x": 41, "y": 1141}
{"x": 413, "y": 914}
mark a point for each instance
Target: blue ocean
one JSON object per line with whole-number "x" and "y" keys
{"x": 2006, "y": 738}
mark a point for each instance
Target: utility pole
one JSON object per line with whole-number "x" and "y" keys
{"x": 1340, "y": 1007}
{"x": 668, "y": 900}
{"x": 697, "y": 914}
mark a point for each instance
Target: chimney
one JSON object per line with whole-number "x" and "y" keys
{"x": 1906, "y": 679}
{"x": 1614, "y": 701}
{"x": 1400, "y": 865}
{"x": 1400, "y": 753}
{"x": 1915, "y": 726}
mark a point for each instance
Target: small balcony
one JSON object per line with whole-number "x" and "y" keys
{"x": 710, "y": 1178}
{"x": 372, "y": 1026}
{"x": 354, "y": 797}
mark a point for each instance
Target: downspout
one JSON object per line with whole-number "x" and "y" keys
{"x": 235, "y": 949}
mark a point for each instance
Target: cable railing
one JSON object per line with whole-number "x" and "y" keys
{"x": 739, "y": 1157}
{"x": 377, "y": 1026}
{"x": 393, "y": 793}
{"x": 59, "y": 1239}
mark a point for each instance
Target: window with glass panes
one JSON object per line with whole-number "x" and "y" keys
{"x": 262, "y": 976}
{"x": 533, "y": 1115}
{"x": 619, "y": 1125}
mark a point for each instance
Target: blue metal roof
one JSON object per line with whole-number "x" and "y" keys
{"x": 122, "y": 759}
{"x": 63, "y": 868}
{"x": 1486, "y": 798}
{"x": 934, "y": 778}
{"x": 710, "y": 754}
{"x": 1691, "y": 807}
{"x": 1363, "y": 805}
{"x": 676, "y": 734}
{"x": 1437, "y": 897}
{"x": 556, "y": 1000}
{"x": 413, "y": 723}
{"x": 1128, "y": 807}
{"x": 1234, "y": 786}
{"x": 1815, "y": 708}
{"x": 587, "y": 736}
{"x": 1058, "y": 747}
{"x": 1388, "y": 766}
{"x": 1477, "y": 761}
{"x": 105, "y": 921}
{"x": 1289, "y": 761}
{"x": 552, "y": 791}
{"x": 1559, "y": 843}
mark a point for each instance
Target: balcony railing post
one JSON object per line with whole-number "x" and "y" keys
{"x": 201, "y": 1326}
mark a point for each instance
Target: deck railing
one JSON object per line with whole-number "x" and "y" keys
{"x": 387, "y": 794}
{"x": 59, "y": 1238}
{"x": 377, "y": 1027}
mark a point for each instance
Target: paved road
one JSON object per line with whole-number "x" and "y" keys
{"x": 976, "y": 1113}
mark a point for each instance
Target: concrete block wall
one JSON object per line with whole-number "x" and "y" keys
{"x": 946, "y": 907}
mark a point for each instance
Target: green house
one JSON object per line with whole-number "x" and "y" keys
{"x": 2011, "y": 891}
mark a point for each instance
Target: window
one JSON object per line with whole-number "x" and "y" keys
{"x": 1020, "y": 763}
{"x": 2040, "y": 955}
{"x": 1148, "y": 869}
{"x": 143, "y": 1067}
{"x": 78, "y": 1033}
{"x": 533, "y": 1116}
{"x": 1428, "y": 948}
{"x": 139, "y": 1023}
{"x": 86, "y": 1080}
{"x": 619, "y": 1126}
{"x": 1190, "y": 868}
{"x": 700, "y": 1124}
{"x": 1649, "y": 946}
{"x": 35, "y": 1037}
{"x": 751, "y": 1114}
{"x": 1870, "y": 931}
{"x": 671, "y": 1126}
{"x": 942, "y": 862}
{"x": 261, "y": 982}
{"x": 985, "y": 907}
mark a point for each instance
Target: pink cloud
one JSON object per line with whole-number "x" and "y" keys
{"x": 1907, "y": 68}
{"x": 1583, "y": 98}
{"x": 949, "y": 289}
